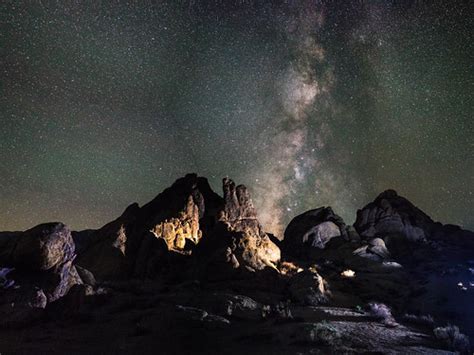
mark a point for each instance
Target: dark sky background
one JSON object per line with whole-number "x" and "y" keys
{"x": 308, "y": 103}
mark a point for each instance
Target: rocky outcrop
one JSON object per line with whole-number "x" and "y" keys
{"x": 41, "y": 259}
{"x": 146, "y": 241}
{"x": 139, "y": 240}
{"x": 251, "y": 245}
{"x": 392, "y": 215}
{"x": 238, "y": 241}
{"x": 312, "y": 229}
{"x": 239, "y": 212}
{"x": 105, "y": 252}
{"x": 172, "y": 225}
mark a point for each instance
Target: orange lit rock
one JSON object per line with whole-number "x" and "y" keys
{"x": 177, "y": 231}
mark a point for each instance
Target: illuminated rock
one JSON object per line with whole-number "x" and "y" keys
{"x": 238, "y": 241}
{"x": 251, "y": 245}
{"x": 177, "y": 231}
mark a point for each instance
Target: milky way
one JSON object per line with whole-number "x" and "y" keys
{"x": 308, "y": 103}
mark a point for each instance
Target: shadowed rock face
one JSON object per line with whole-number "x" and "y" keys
{"x": 105, "y": 251}
{"x": 391, "y": 214}
{"x": 312, "y": 229}
{"x": 40, "y": 248}
{"x": 41, "y": 270}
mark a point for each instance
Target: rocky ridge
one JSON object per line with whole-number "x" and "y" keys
{"x": 199, "y": 268}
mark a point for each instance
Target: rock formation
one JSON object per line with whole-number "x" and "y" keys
{"x": 40, "y": 269}
{"x": 199, "y": 269}
{"x": 238, "y": 240}
{"x": 105, "y": 251}
{"x": 391, "y": 214}
{"x": 135, "y": 242}
{"x": 312, "y": 229}
{"x": 375, "y": 250}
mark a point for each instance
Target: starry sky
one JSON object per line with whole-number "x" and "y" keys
{"x": 308, "y": 103}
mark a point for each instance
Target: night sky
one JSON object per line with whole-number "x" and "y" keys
{"x": 307, "y": 103}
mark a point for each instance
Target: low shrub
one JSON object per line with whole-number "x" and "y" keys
{"x": 453, "y": 338}
{"x": 381, "y": 312}
{"x": 323, "y": 333}
{"x": 424, "y": 320}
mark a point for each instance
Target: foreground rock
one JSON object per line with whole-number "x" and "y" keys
{"x": 309, "y": 288}
{"x": 40, "y": 270}
{"x": 141, "y": 318}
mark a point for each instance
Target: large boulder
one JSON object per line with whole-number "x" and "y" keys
{"x": 40, "y": 248}
{"x": 308, "y": 288}
{"x": 312, "y": 229}
{"x": 37, "y": 268}
{"x": 374, "y": 250}
{"x": 392, "y": 215}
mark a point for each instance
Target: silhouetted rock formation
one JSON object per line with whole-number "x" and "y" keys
{"x": 391, "y": 214}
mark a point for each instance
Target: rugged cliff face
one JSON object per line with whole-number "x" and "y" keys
{"x": 198, "y": 268}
